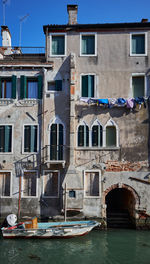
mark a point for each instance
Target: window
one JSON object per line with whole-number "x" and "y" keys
{"x": 91, "y": 183}
{"x": 57, "y": 45}
{"x": 138, "y": 44}
{"x": 51, "y": 184}
{"x": 88, "y": 44}
{"x": 29, "y": 184}
{"x": 5, "y": 138}
{"x": 55, "y": 85}
{"x": 5, "y": 182}
{"x": 30, "y": 138}
{"x": 97, "y": 135}
{"x": 56, "y": 141}
{"x": 87, "y": 85}
{"x": 8, "y": 87}
{"x": 138, "y": 86}
{"x": 83, "y": 136}
{"x": 110, "y": 136}
{"x": 31, "y": 88}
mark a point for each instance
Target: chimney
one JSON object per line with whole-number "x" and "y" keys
{"x": 72, "y": 11}
{"x": 6, "y": 40}
{"x": 144, "y": 20}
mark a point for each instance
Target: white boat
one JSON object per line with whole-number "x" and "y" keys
{"x": 33, "y": 229}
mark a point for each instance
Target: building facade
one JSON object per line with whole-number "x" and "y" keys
{"x": 85, "y": 126}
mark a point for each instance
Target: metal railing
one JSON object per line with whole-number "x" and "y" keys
{"x": 53, "y": 153}
{"x": 23, "y": 50}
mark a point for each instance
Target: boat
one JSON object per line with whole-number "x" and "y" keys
{"x": 33, "y": 229}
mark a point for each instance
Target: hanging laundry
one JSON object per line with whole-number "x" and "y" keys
{"x": 112, "y": 102}
{"x": 103, "y": 101}
{"x": 85, "y": 99}
{"x": 130, "y": 103}
{"x": 140, "y": 101}
{"x": 121, "y": 101}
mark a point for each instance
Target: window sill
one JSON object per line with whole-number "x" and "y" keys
{"x": 28, "y": 102}
{"x": 58, "y": 56}
{"x": 50, "y": 197}
{"x": 6, "y": 153}
{"x": 96, "y": 149}
{"x": 138, "y": 55}
{"x": 92, "y": 197}
{"x": 88, "y": 55}
{"x": 5, "y": 101}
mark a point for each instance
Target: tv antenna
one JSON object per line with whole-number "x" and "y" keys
{"x": 4, "y": 3}
{"x": 21, "y": 20}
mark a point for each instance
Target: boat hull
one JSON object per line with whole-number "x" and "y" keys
{"x": 51, "y": 230}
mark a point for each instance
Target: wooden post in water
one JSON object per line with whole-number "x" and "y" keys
{"x": 65, "y": 203}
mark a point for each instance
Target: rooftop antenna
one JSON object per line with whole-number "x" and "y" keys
{"x": 4, "y": 3}
{"x": 21, "y": 20}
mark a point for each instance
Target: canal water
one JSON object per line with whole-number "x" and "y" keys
{"x": 98, "y": 247}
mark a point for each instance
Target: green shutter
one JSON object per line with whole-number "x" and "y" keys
{"x": 58, "y": 45}
{"x": 7, "y": 147}
{"x": 60, "y": 148}
{"x": 87, "y": 135}
{"x": 53, "y": 139}
{"x": 110, "y": 136}
{"x": 138, "y": 44}
{"x": 33, "y": 138}
{"x": 58, "y": 85}
{"x": 80, "y": 136}
{"x": 95, "y": 136}
{"x": 91, "y": 44}
{"x": 138, "y": 86}
{"x": 14, "y": 85}
{"x": 90, "y": 85}
{"x": 84, "y": 86}
{"x": 23, "y": 87}
{"x": 0, "y": 87}
{"x": 40, "y": 86}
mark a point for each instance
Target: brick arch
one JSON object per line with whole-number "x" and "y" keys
{"x": 124, "y": 186}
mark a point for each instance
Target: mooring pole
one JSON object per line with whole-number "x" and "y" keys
{"x": 65, "y": 203}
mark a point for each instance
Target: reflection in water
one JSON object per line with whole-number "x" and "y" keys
{"x": 98, "y": 247}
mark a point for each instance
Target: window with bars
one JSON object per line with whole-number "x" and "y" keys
{"x": 91, "y": 184}
{"x": 31, "y": 88}
{"x": 5, "y": 138}
{"x": 5, "y": 183}
{"x": 87, "y": 85}
{"x": 29, "y": 184}
{"x": 30, "y": 138}
{"x": 8, "y": 87}
{"x": 57, "y": 45}
{"x": 138, "y": 86}
{"x": 88, "y": 45}
{"x": 138, "y": 46}
{"x": 51, "y": 184}
{"x": 83, "y": 136}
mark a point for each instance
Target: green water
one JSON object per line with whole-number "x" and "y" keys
{"x": 98, "y": 247}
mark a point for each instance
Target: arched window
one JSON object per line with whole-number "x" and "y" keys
{"x": 83, "y": 135}
{"x": 112, "y": 134}
{"x": 56, "y": 140}
{"x": 97, "y": 134}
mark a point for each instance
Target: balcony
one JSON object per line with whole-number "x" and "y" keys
{"x": 53, "y": 155}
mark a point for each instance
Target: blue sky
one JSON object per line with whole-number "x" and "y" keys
{"x": 43, "y": 12}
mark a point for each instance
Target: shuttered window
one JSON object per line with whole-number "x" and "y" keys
{"x": 55, "y": 85}
{"x": 6, "y": 138}
{"x": 110, "y": 136}
{"x": 5, "y": 182}
{"x": 8, "y": 87}
{"x": 56, "y": 142}
{"x": 83, "y": 136}
{"x": 51, "y": 184}
{"x": 138, "y": 44}
{"x": 30, "y": 138}
{"x": 29, "y": 184}
{"x": 58, "y": 45}
{"x": 31, "y": 88}
{"x": 91, "y": 184}
{"x": 97, "y": 136}
{"x": 138, "y": 86}
{"x": 87, "y": 44}
{"x": 87, "y": 84}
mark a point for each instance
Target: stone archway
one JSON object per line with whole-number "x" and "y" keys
{"x": 120, "y": 200}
